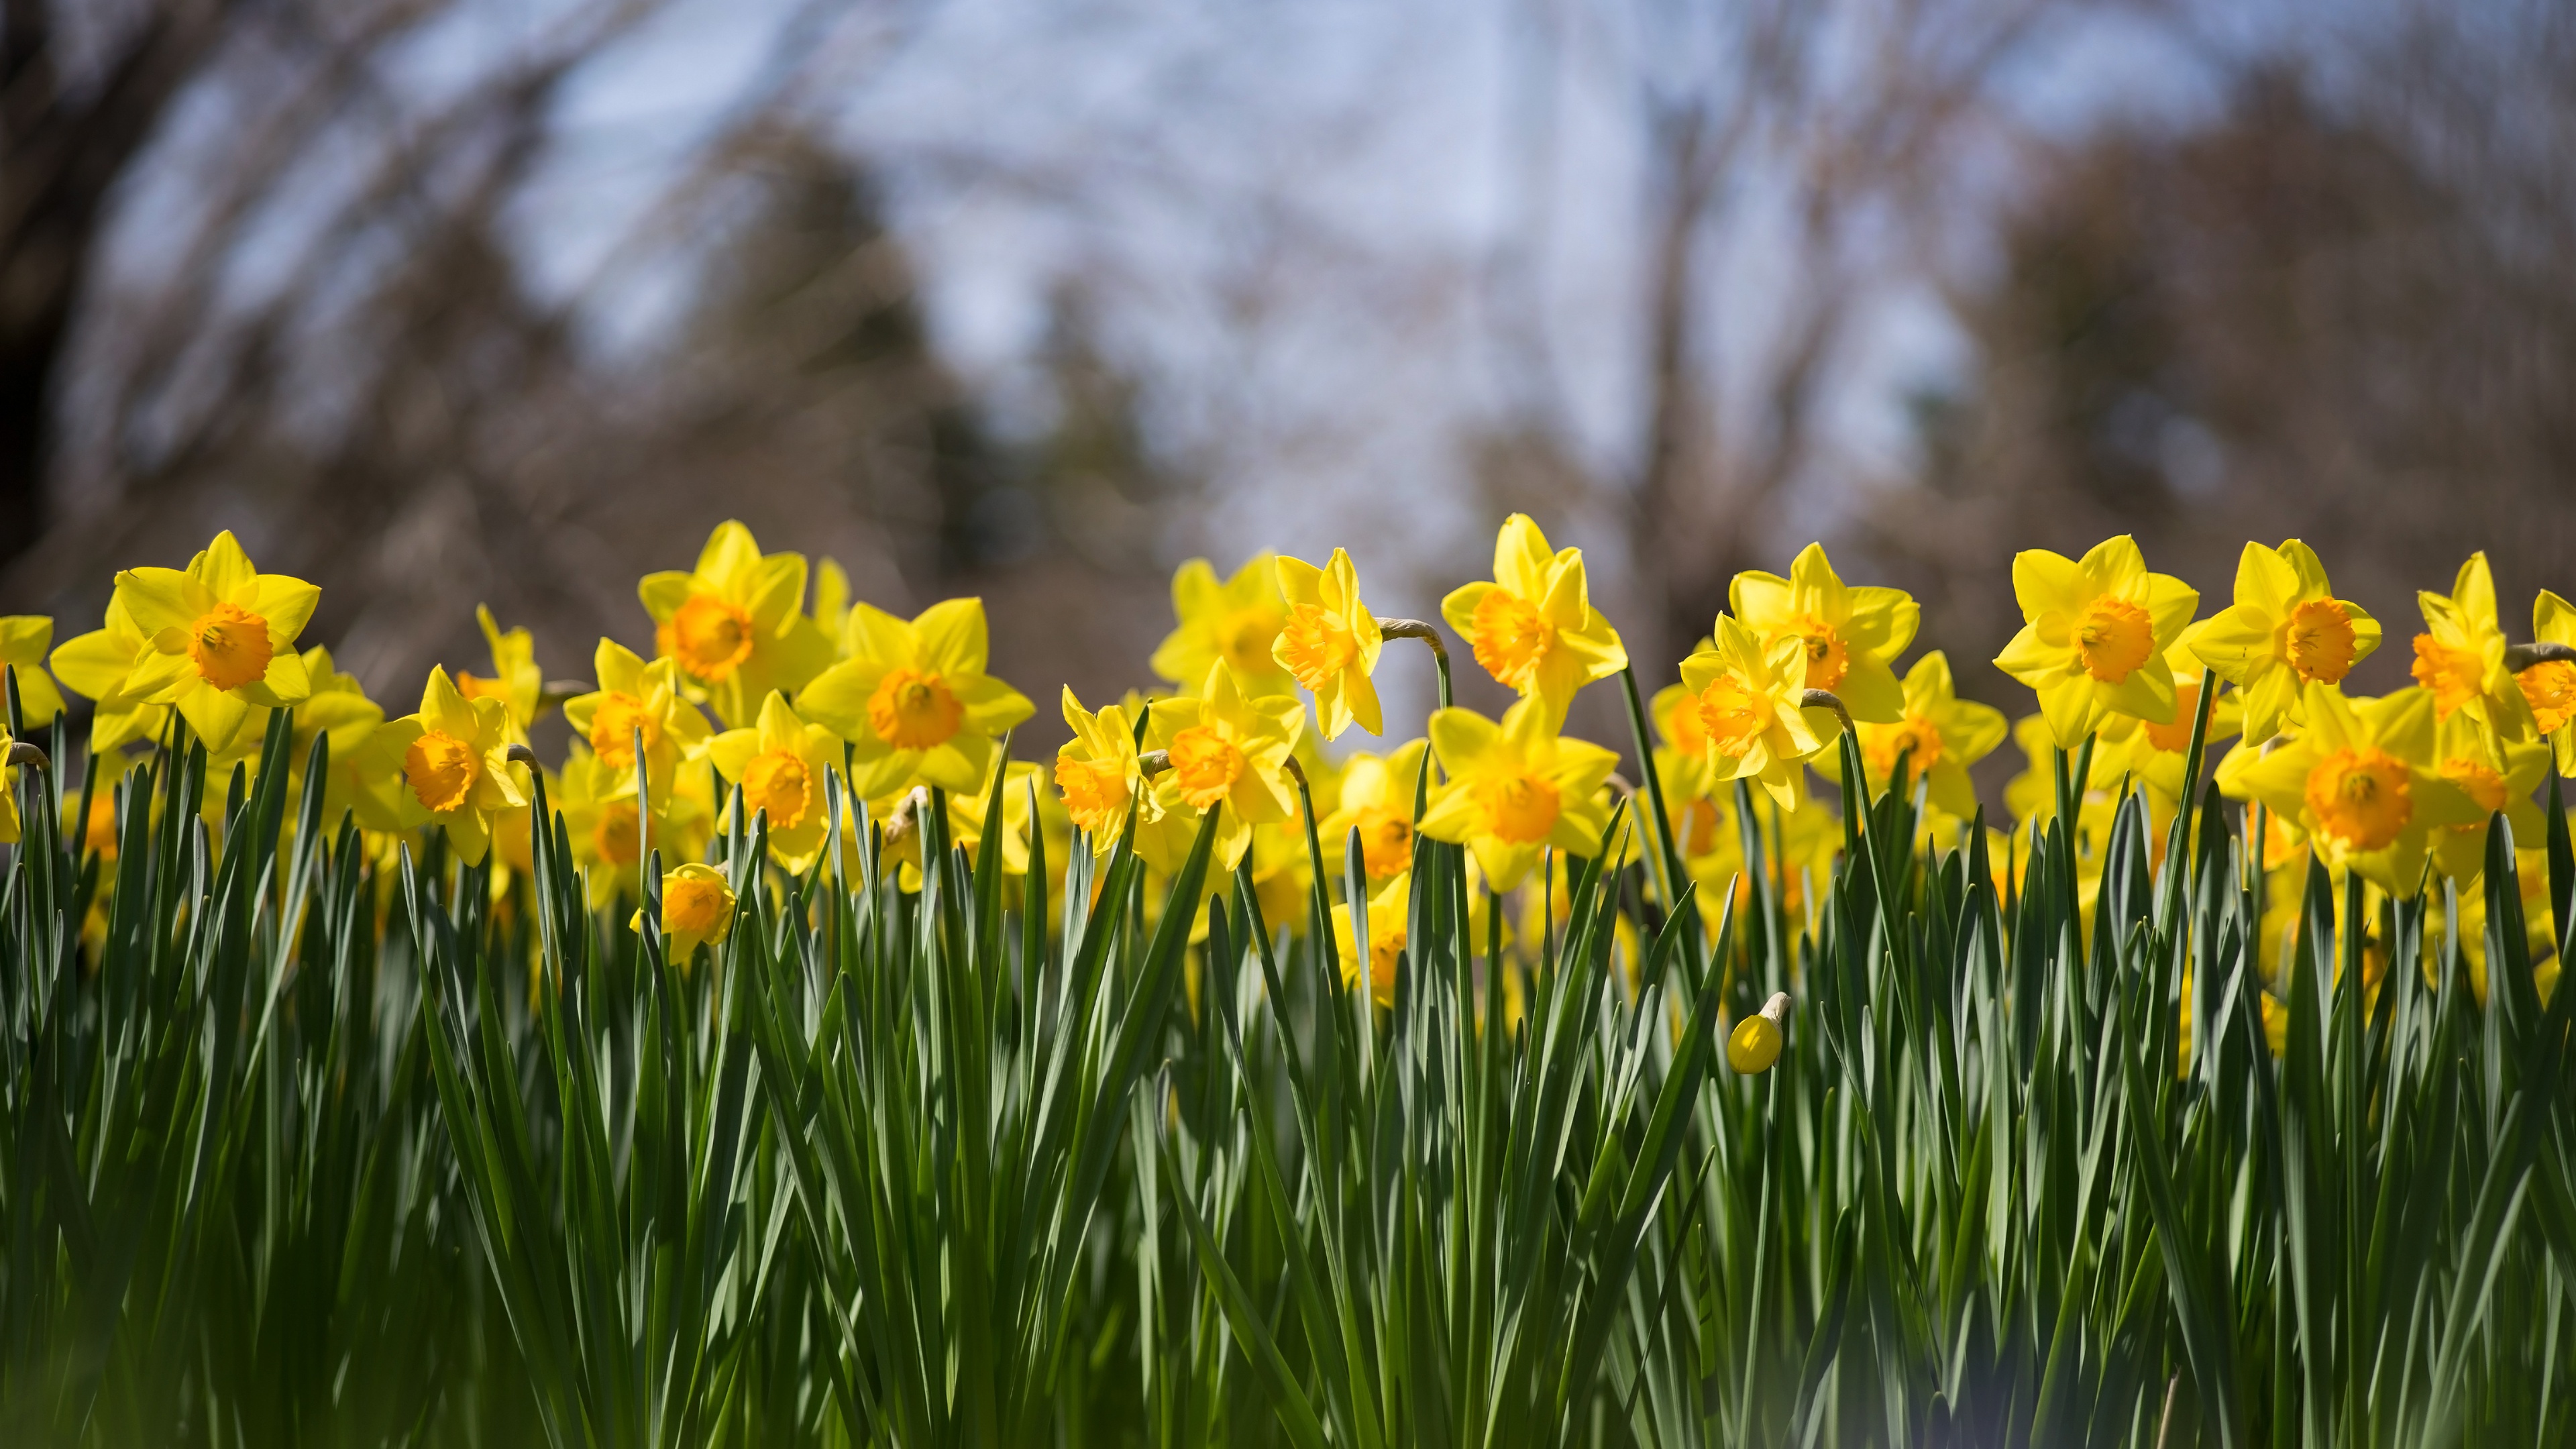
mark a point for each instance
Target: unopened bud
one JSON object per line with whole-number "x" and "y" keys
{"x": 23, "y": 753}
{"x": 1755, "y": 1043}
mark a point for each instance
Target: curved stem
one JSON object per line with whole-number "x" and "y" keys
{"x": 2519, "y": 657}
{"x": 1416, "y": 629}
{"x": 1827, "y": 699}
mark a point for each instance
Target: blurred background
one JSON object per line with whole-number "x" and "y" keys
{"x": 439, "y": 302}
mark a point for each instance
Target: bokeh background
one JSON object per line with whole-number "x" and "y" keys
{"x": 446, "y": 302}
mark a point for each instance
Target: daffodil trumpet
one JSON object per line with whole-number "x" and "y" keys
{"x": 1417, "y": 629}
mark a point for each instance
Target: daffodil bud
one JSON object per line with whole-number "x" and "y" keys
{"x": 23, "y": 753}
{"x": 1755, "y": 1043}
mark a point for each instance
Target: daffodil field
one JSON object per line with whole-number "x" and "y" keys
{"x": 790, "y": 1064}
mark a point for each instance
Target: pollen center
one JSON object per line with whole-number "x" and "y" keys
{"x": 441, "y": 770}
{"x": 475, "y": 686}
{"x": 230, "y": 646}
{"x": 2361, "y": 797}
{"x": 2454, "y": 676}
{"x": 1386, "y": 840}
{"x": 692, "y": 907}
{"x": 2113, "y": 638}
{"x": 612, "y": 729}
{"x": 1520, "y": 808}
{"x": 709, "y": 637}
{"x": 2317, "y": 638}
{"x": 615, "y": 837}
{"x": 1244, "y": 638}
{"x": 911, "y": 710}
{"x": 2550, "y": 687}
{"x": 1828, "y": 658}
{"x": 1095, "y": 795}
{"x": 778, "y": 783}
{"x": 1732, "y": 716}
{"x": 1205, "y": 764}
{"x": 1315, "y": 645}
{"x": 1915, "y": 738}
{"x": 2175, "y": 738}
{"x": 2480, "y": 782}
{"x": 1511, "y": 637}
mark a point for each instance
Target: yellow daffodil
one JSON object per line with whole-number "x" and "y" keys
{"x": 2285, "y": 631}
{"x": 634, "y": 695}
{"x": 1750, "y": 703}
{"x": 779, "y": 764}
{"x": 914, "y": 701}
{"x": 220, "y": 638}
{"x": 609, "y": 835}
{"x": 1852, "y": 635}
{"x": 95, "y": 666}
{"x": 1376, "y": 799}
{"x": 2549, "y": 687}
{"x": 10, "y": 825}
{"x": 515, "y": 679}
{"x": 2155, "y": 754}
{"x": 1226, "y": 749}
{"x": 1099, "y": 774}
{"x": 2460, "y": 661}
{"x": 1330, "y": 643}
{"x": 697, "y": 910}
{"x": 1236, "y": 621}
{"x": 831, "y": 597}
{"x": 1533, "y": 626}
{"x": 453, "y": 760}
{"x": 24, "y": 638}
{"x": 1515, "y": 787}
{"x": 735, "y": 624}
{"x": 2095, "y": 641}
{"x": 2358, "y": 779}
{"x": 2467, "y": 758}
{"x": 1937, "y": 734}
{"x": 1390, "y": 914}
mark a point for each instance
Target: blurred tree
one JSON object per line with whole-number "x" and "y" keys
{"x": 2338, "y": 312}
{"x": 70, "y": 126}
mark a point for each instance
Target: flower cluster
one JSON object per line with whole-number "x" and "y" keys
{"x": 768, "y": 692}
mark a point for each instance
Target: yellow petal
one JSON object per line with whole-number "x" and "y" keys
{"x": 952, "y": 638}
{"x": 225, "y": 570}
{"x": 2046, "y": 583}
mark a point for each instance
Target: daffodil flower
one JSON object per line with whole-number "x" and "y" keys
{"x": 1235, "y": 621}
{"x": 1100, "y": 775}
{"x": 2285, "y": 631}
{"x": 634, "y": 695}
{"x": 515, "y": 679}
{"x": 779, "y": 764}
{"x": 914, "y": 701}
{"x": 1750, "y": 701}
{"x": 453, "y": 757}
{"x": 2465, "y": 756}
{"x": 1755, "y": 1043}
{"x": 1227, "y": 750}
{"x": 2358, "y": 779}
{"x": 2155, "y": 754}
{"x": 2095, "y": 641}
{"x": 1375, "y": 798}
{"x": 24, "y": 638}
{"x": 2549, "y": 687}
{"x": 1330, "y": 643}
{"x": 1514, "y": 788}
{"x": 10, "y": 824}
{"x": 95, "y": 666}
{"x": 1390, "y": 914}
{"x": 1938, "y": 735}
{"x": 735, "y": 623}
{"x": 1852, "y": 635}
{"x": 1533, "y": 626}
{"x": 2460, "y": 661}
{"x": 697, "y": 910}
{"x": 220, "y": 638}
